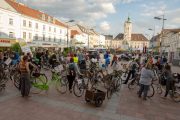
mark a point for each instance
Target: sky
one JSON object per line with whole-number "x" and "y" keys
{"x": 108, "y": 16}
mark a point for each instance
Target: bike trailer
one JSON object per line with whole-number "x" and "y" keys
{"x": 96, "y": 96}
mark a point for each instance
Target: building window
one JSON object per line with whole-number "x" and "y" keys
{"x": 37, "y": 26}
{"x": 54, "y": 39}
{"x": 24, "y": 35}
{"x": 44, "y": 27}
{"x": 49, "y": 38}
{"x": 30, "y": 36}
{"x": 36, "y": 37}
{"x": 24, "y": 23}
{"x": 10, "y": 21}
{"x": 49, "y": 29}
{"x": 11, "y": 35}
{"x": 30, "y": 24}
{"x": 44, "y": 37}
{"x": 55, "y": 30}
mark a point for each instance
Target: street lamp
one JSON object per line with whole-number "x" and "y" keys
{"x": 68, "y": 31}
{"x": 163, "y": 19}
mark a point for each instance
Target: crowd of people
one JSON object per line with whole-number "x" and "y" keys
{"x": 81, "y": 59}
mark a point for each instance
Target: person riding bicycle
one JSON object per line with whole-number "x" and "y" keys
{"x": 133, "y": 65}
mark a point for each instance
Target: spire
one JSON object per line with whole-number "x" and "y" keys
{"x": 129, "y": 19}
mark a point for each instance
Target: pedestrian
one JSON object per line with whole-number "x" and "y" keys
{"x": 71, "y": 73}
{"x": 133, "y": 65}
{"x": 25, "y": 76}
{"x": 169, "y": 79}
{"x": 147, "y": 75}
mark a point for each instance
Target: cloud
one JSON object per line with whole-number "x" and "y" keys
{"x": 153, "y": 9}
{"x": 105, "y": 26}
{"x": 79, "y": 10}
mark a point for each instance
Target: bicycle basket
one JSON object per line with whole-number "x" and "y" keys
{"x": 36, "y": 74}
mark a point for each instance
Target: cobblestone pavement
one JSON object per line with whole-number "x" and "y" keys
{"x": 124, "y": 105}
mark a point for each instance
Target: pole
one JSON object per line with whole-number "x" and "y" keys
{"x": 67, "y": 36}
{"x": 88, "y": 40}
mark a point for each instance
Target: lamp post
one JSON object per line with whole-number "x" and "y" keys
{"x": 163, "y": 19}
{"x": 68, "y": 31}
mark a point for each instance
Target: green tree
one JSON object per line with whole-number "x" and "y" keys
{"x": 16, "y": 47}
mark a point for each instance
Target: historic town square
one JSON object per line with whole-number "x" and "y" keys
{"x": 90, "y": 59}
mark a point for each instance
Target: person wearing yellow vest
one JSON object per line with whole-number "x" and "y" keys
{"x": 75, "y": 58}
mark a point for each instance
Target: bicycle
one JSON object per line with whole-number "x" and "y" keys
{"x": 80, "y": 86}
{"x": 174, "y": 92}
{"x": 40, "y": 82}
{"x": 113, "y": 87}
{"x": 135, "y": 83}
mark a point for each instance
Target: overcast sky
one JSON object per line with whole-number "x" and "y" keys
{"x": 108, "y": 16}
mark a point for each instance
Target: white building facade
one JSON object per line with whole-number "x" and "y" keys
{"x": 37, "y": 28}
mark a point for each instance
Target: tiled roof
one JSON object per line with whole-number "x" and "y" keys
{"x": 25, "y": 10}
{"x": 120, "y": 36}
{"x": 74, "y": 32}
{"x": 138, "y": 37}
{"x": 134, "y": 37}
{"x": 155, "y": 38}
{"x": 108, "y": 37}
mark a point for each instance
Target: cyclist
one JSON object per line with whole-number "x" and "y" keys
{"x": 71, "y": 73}
{"x": 53, "y": 60}
{"x": 1, "y": 57}
{"x": 25, "y": 76}
{"x": 169, "y": 79}
{"x": 133, "y": 65}
{"x": 145, "y": 80}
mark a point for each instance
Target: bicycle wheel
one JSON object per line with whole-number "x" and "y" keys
{"x": 176, "y": 96}
{"x": 159, "y": 90}
{"x": 78, "y": 89}
{"x": 118, "y": 83}
{"x": 61, "y": 85}
{"x": 16, "y": 79}
{"x": 132, "y": 84}
{"x": 39, "y": 84}
{"x": 151, "y": 91}
{"x": 109, "y": 93}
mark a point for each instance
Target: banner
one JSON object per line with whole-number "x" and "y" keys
{"x": 24, "y": 46}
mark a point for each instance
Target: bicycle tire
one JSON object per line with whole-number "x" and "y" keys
{"x": 159, "y": 90}
{"x": 109, "y": 93}
{"x": 118, "y": 83}
{"x": 80, "y": 89}
{"x": 39, "y": 84}
{"x": 61, "y": 85}
{"x": 176, "y": 96}
{"x": 151, "y": 91}
{"x": 132, "y": 84}
{"x": 16, "y": 80}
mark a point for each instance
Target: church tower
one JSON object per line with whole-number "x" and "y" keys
{"x": 127, "y": 30}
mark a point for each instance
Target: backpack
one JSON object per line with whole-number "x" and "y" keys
{"x": 72, "y": 71}
{"x": 133, "y": 66}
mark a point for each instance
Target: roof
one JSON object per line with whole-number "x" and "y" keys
{"x": 74, "y": 32}
{"x": 108, "y": 37}
{"x": 138, "y": 37}
{"x": 120, "y": 36}
{"x": 155, "y": 38}
{"x": 25, "y": 10}
{"x": 134, "y": 37}
{"x": 85, "y": 29}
